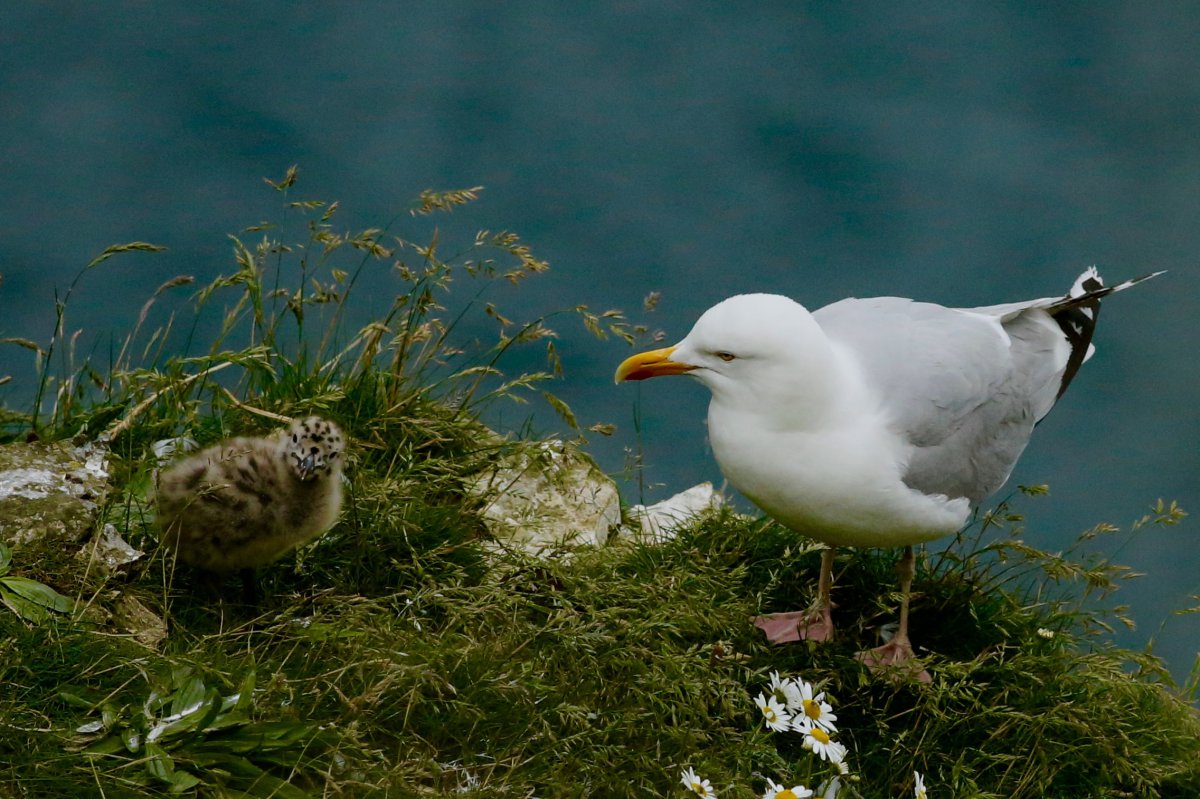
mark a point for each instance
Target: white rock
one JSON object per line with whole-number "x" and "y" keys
{"x": 144, "y": 625}
{"x": 548, "y": 497}
{"x": 30, "y": 483}
{"x": 108, "y": 553}
{"x": 51, "y": 489}
{"x": 660, "y": 521}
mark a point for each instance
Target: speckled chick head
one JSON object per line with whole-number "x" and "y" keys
{"x": 313, "y": 448}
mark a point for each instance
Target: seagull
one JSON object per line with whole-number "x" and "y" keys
{"x": 248, "y": 501}
{"x": 879, "y": 422}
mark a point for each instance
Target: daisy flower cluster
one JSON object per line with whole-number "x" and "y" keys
{"x": 703, "y": 788}
{"x": 793, "y": 705}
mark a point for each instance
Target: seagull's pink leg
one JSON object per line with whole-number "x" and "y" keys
{"x": 815, "y": 624}
{"x": 898, "y": 652}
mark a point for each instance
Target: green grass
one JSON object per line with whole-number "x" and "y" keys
{"x": 403, "y": 656}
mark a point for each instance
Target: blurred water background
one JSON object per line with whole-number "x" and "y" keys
{"x": 962, "y": 153}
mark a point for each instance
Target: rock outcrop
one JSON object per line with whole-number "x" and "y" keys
{"x": 549, "y": 496}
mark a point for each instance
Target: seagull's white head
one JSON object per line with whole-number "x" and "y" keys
{"x": 753, "y": 351}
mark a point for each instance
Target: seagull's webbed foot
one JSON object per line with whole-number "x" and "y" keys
{"x": 815, "y": 624}
{"x": 895, "y": 659}
{"x": 796, "y": 625}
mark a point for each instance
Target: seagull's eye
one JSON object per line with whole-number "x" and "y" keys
{"x": 726, "y": 356}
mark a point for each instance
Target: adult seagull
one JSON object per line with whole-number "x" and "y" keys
{"x": 876, "y": 422}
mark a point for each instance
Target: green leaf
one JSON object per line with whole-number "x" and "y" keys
{"x": 263, "y": 736}
{"x": 183, "y": 781}
{"x": 74, "y": 695}
{"x": 268, "y": 786}
{"x": 5, "y": 557}
{"x": 245, "y": 694}
{"x": 39, "y": 593}
{"x": 249, "y": 778}
{"x": 231, "y": 764}
{"x": 132, "y": 739}
{"x": 162, "y": 768}
{"x": 188, "y": 698}
{"x": 216, "y": 715}
{"x": 159, "y": 763}
{"x": 191, "y": 718}
{"x": 29, "y": 611}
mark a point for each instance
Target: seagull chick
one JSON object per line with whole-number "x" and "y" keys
{"x": 876, "y": 422}
{"x": 248, "y": 501}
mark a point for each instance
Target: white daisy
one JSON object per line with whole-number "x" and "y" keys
{"x": 774, "y": 714}
{"x": 919, "y": 791}
{"x": 777, "y": 791}
{"x": 786, "y": 691}
{"x": 696, "y": 785}
{"x": 817, "y": 741}
{"x": 814, "y": 709}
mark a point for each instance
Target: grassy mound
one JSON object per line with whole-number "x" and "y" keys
{"x": 403, "y": 656}
{"x": 601, "y": 675}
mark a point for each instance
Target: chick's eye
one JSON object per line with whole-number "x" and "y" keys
{"x": 726, "y": 356}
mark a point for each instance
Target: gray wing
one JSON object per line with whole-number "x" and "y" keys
{"x": 965, "y": 388}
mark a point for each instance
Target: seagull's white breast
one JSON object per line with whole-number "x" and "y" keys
{"x": 840, "y": 486}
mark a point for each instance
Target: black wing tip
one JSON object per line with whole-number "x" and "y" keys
{"x": 1076, "y": 315}
{"x": 1090, "y": 286}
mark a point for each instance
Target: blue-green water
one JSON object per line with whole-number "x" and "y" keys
{"x": 960, "y": 153}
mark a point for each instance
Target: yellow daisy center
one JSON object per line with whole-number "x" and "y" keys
{"x": 786, "y": 793}
{"x": 819, "y": 735}
{"x": 812, "y": 709}
{"x": 769, "y": 713}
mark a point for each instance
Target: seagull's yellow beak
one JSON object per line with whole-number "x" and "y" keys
{"x": 654, "y": 363}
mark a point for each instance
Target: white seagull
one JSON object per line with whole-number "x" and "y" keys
{"x": 876, "y": 422}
